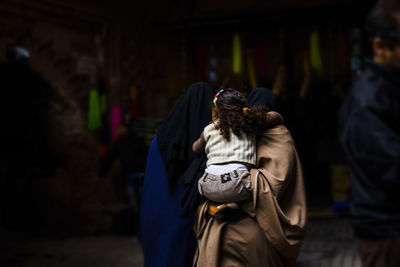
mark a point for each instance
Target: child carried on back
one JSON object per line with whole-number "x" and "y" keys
{"x": 230, "y": 144}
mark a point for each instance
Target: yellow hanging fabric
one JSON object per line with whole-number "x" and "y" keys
{"x": 236, "y": 55}
{"x": 315, "y": 53}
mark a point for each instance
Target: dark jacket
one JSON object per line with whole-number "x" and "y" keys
{"x": 369, "y": 129}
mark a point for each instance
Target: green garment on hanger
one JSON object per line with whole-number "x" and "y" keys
{"x": 94, "y": 117}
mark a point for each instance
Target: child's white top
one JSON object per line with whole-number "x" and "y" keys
{"x": 237, "y": 149}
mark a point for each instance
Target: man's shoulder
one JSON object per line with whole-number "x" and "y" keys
{"x": 367, "y": 90}
{"x": 367, "y": 82}
{"x": 360, "y": 97}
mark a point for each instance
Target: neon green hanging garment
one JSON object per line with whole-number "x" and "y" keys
{"x": 315, "y": 53}
{"x": 236, "y": 55}
{"x": 94, "y": 120}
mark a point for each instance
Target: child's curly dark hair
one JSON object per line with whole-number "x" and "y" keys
{"x": 231, "y": 109}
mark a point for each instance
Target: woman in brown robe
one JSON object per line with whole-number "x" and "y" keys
{"x": 272, "y": 229}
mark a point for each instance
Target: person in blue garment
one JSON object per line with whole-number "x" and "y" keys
{"x": 167, "y": 238}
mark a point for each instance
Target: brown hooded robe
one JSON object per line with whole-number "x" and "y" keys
{"x": 272, "y": 234}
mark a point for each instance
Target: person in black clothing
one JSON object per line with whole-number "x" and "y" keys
{"x": 131, "y": 152}
{"x": 25, "y": 153}
{"x": 262, "y": 96}
{"x": 369, "y": 129}
{"x": 171, "y": 171}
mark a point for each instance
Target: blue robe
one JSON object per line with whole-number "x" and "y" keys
{"x": 167, "y": 239}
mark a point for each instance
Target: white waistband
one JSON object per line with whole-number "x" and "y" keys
{"x": 226, "y": 168}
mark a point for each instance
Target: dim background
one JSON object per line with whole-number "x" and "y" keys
{"x": 88, "y": 59}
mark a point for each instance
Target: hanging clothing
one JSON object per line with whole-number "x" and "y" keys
{"x": 315, "y": 52}
{"x": 252, "y": 73}
{"x": 115, "y": 120}
{"x": 236, "y": 54}
{"x": 262, "y": 59}
{"x": 94, "y": 116}
{"x": 168, "y": 239}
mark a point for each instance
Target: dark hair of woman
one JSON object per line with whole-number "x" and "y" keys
{"x": 234, "y": 115}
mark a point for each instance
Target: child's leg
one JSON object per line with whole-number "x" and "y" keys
{"x": 232, "y": 205}
{"x": 216, "y": 210}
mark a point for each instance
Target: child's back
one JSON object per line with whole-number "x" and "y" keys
{"x": 229, "y": 142}
{"x": 219, "y": 150}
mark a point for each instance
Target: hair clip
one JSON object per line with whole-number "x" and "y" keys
{"x": 215, "y": 97}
